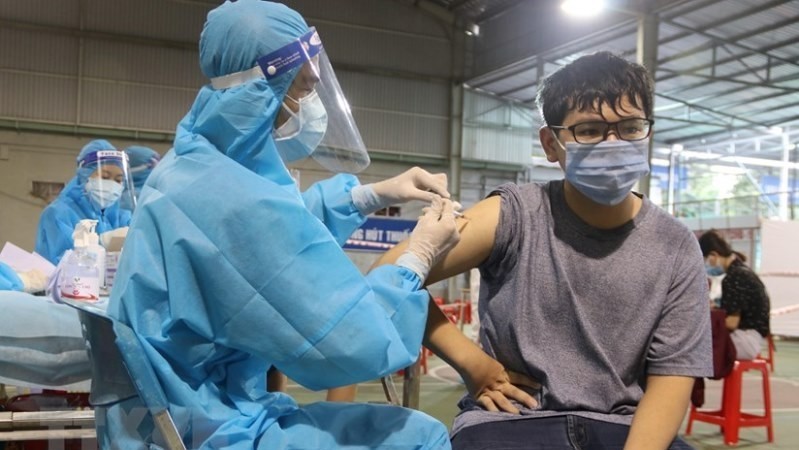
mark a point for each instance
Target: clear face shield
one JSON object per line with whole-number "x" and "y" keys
{"x": 315, "y": 118}
{"x": 108, "y": 178}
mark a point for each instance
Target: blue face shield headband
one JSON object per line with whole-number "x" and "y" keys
{"x": 321, "y": 123}
{"x": 115, "y": 157}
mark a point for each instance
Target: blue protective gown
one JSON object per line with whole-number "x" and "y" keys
{"x": 228, "y": 270}
{"x": 9, "y": 280}
{"x": 58, "y": 220}
{"x": 223, "y": 279}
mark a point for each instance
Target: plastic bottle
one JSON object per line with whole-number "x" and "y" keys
{"x": 79, "y": 278}
{"x": 85, "y": 236}
{"x": 84, "y": 272}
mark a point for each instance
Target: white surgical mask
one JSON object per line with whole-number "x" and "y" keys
{"x": 103, "y": 193}
{"x": 299, "y": 136}
{"x": 606, "y": 172}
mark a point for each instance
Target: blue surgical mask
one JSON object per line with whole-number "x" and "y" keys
{"x": 714, "y": 271}
{"x": 103, "y": 193}
{"x": 299, "y": 136}
{"x": 606, "y": 172}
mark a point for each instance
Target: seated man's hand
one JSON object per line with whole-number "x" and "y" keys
{"x": 494, "y": 387}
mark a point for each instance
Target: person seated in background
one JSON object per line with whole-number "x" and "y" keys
{"x": 586, "y": 287}
{"x": 31, "y": 281}
{"x": 229, "y": 269}
{"x": 743, "y": 295}
{"x": 142, "y": 161}
{"x": 100, "y": 181}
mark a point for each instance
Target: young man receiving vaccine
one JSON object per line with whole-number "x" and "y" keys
{"x": 587, "y": 287}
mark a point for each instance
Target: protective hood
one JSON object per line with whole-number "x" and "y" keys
{"x": 238, "y": 121}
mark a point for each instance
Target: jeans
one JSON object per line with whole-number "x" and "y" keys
{"x": 550, "y": 433}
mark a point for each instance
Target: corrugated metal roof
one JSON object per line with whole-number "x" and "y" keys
{"x": 730, "y": 62}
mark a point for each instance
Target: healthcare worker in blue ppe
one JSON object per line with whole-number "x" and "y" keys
{"x": 142, "y": 161}
{"x": 229, "y": 269}
{"x": 101, "y": 179}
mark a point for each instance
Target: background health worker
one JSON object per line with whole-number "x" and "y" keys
{"x": 100, "y": 181}
{"x": 142, "y": 161}
{"x": 229, "y": 270}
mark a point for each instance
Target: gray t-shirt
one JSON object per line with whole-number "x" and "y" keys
{"x": 589, "y": 312}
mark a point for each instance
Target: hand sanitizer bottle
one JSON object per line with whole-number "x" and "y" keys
{"x": 84, "y": 271}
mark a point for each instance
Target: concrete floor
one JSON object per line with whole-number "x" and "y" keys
{"x": 439, "y": 397}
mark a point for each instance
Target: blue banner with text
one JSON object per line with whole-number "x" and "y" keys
{"x": 379, "y": 235}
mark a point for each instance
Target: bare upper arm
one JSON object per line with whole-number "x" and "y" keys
{"x": 732, "y": 321}
{"x": 477, "y": 232}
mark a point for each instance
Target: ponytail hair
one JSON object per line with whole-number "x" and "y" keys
{"x": 711, "y": 241}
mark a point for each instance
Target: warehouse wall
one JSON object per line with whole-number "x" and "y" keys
{"x": 127, "y": 70}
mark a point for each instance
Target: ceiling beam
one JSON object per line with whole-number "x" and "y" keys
{"x": 691, "y": 122}
{"x": 789, "y": 77}
{"x": 660, "y": 63}
{"x": 609, "y": 34}
{"x": 702, "y": 135}
{"x": 456, "y": 5}
{"x": 734, "y": 40}
{"x": 730, "y": 80}
{"x": 783, "y": 120}
{"x": 723, "y": 21}
{"x": 762, "y": 50}
{"x": 712, "y": 111}
{"x": 530, "y": 62}
{"x": 758, "y": 99}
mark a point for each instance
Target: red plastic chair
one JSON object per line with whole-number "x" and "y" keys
{"x": 729, "y": 417}
{"x": 770, "y": 358}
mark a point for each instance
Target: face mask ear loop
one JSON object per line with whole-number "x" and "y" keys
{"x": 293, "y": 115}
{"x": 288, "y": 110}
{"x": 283, "y": 105}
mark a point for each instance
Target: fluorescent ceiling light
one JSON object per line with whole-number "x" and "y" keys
{"x": 583, "y": 8}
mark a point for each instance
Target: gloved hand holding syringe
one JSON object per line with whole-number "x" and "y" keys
{"x": 436, "y": 233}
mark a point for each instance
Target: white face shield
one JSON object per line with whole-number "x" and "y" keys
{"x": 107, "y": 178}
{"x": 320, "y": 122}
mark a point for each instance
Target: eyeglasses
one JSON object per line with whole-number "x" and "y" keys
{"x": 595, "y": 132}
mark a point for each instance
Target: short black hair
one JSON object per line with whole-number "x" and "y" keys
{"x": 599, "y": 78}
